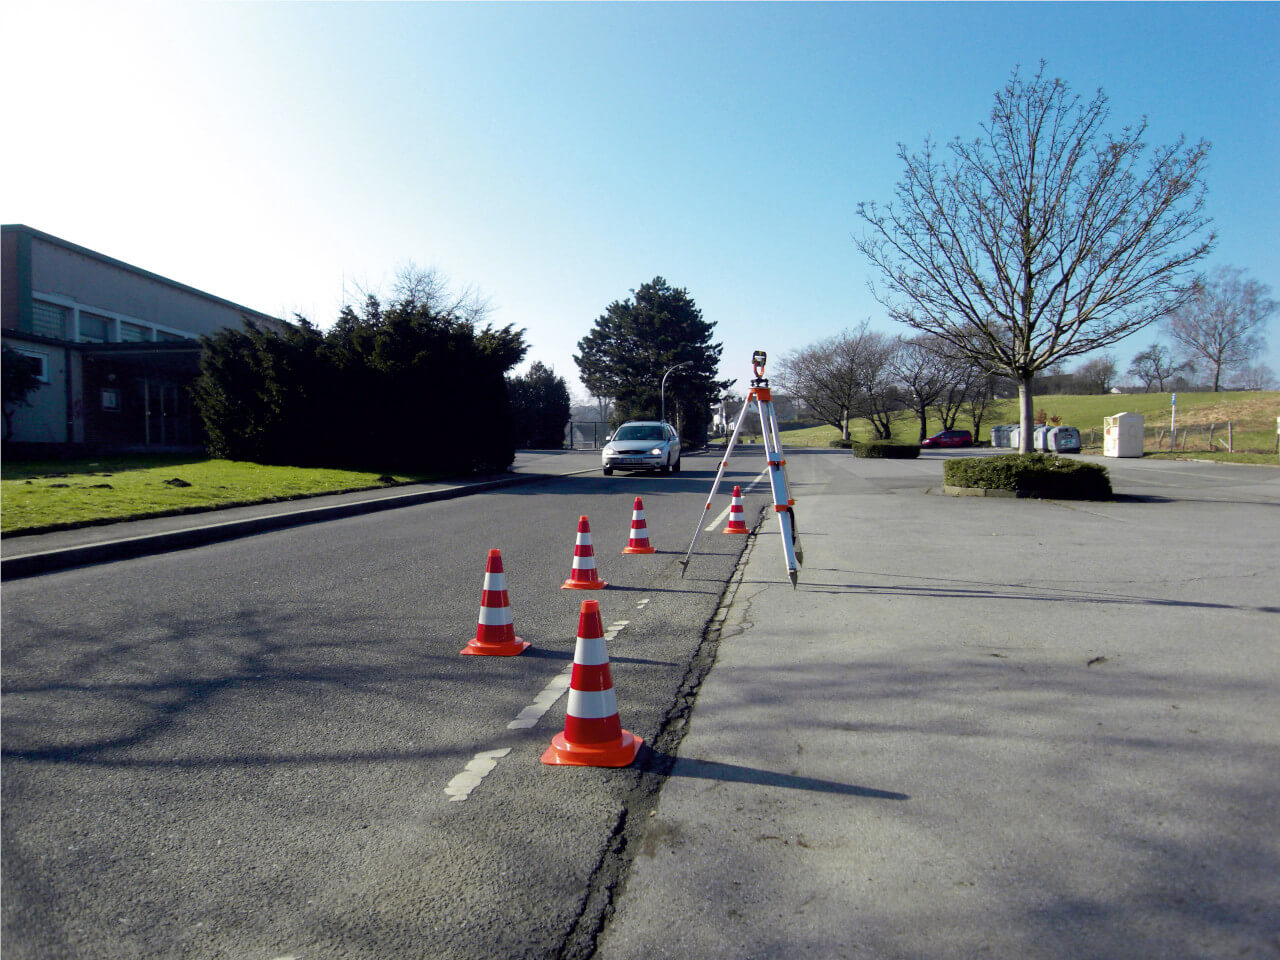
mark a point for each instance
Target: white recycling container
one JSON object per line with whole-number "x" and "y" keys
{"x": 1122, "y": 435}
{"x": 1063, "y": 440}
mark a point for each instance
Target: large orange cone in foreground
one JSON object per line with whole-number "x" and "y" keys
{"x": 639, "y": 542}
{"x": 737, "y": 524}
{"x": 496, "y": 632}
{"x": 593, "y": 734}
{"x": 584, "y": 576}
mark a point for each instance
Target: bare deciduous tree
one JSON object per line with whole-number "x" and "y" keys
{"x": 926, "y": 374}
{"x": 1154, "y": 366}
{"x": 1097, "y": 374}
{"x": 824, "y": 376}
{"x": 1224, "y": 323}
{"x": 979, "y": 395}
{"x": 879, "y": 397}
{"x": 1043, "y": 239}
{"x": 1256, "y": 377}
{"x": 843, "y": 378}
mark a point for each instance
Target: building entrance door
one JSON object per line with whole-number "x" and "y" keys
{"x": 166, "y": 414}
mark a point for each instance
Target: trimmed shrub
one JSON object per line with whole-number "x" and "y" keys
{"x": 1033, "y": 474}
{"x": 840, "y": 444}
{"x": 886, "y": 450}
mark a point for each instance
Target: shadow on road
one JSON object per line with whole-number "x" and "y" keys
{"x": 977, "y": 590}
{"x": 673, "y": 766}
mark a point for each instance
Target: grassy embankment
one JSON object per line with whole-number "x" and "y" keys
{"x": 1251, "y": 413}
{"x": 37, "y": 496}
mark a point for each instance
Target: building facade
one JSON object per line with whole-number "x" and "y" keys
{"x": 115, "y": 347}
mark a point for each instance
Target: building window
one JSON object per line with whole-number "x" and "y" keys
{"x": 110, "y": 399}
{"x": 94, "y": 329}
{"x": 48, "y": 319}
{"x": 134, "y": 332}
{"x": 172, "y": 337}
{"x": 40, "y": 361}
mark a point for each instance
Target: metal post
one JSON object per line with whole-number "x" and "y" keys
{"x": 663, "y": 389}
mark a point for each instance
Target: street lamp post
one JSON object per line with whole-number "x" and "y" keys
{"x": 663, "y": 389}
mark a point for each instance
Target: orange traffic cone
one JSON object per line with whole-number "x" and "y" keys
{"x": 639, "y": 542}
{"x": 583, "y": 576}
{"x": 496, "y": 633}
{"x": 736, "y": 522}
{"x": 593, "y": 734}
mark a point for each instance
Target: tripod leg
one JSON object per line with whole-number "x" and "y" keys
{"x": 778, "y": 484}
{"x": 728, "y": 450}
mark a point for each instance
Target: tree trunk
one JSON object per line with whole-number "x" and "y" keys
{"x": 844, "y": 424}
{"x": 1026, "y": 417}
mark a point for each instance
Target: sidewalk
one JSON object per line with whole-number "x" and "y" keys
{"x": 979, "y": 728}
{"x": 24, "y": 556}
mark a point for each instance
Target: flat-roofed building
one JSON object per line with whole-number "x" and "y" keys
{"x": 115, "y": 347}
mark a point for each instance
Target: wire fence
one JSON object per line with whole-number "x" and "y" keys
{"x": 1224, "y": 436}
{"x": 585, "y": 434}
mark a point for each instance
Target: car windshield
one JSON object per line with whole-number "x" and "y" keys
{"x": 637, "y": 432}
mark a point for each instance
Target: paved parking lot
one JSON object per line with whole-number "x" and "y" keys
{"x": 984, "y": 727}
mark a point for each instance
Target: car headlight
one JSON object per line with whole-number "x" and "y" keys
{"x": 656, "y": 451}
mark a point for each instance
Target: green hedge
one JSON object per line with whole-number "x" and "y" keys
{"x": 1034, "y": 474}
{"x": 884, "y": 449}
{"x": 841, "y": 444}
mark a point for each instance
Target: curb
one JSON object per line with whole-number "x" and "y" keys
{"x": 33, "y": 564}
{"x": 984, "y": 492}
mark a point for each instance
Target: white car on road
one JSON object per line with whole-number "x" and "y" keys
{"x": 642, "y": 445}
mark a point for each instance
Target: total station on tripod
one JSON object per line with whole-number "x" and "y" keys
{"x": 775, "y": 469}
{"x": 757, "y": 364}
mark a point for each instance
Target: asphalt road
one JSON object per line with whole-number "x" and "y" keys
{"x": 243, "y": 749}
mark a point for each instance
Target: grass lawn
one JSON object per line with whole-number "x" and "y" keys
{"x": 55, "y": 495}
{"x": 1251, "y": 413}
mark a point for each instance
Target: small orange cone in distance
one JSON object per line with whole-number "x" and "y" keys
{"x": 496, "y": 632}
{"x": 593, "y": 734}
{"x": 639, "y": 542}
{"x": 737, "y": 523}
{"x": 584, "y": 575}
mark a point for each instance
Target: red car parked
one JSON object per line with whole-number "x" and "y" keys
{"x": 949, "y": 438}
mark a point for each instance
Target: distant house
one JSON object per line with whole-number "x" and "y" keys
{"x": 116, "y": 348}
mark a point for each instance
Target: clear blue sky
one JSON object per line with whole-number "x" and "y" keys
{"x": 556, "y": 156}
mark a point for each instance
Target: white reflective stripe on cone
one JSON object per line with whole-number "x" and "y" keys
{"x": 584, "y": 563}
{"x": 590, "y": 652}
{"x": 592, "y": 704}
{"x": 495, "y": 617}
{"x": 495, "y": 581}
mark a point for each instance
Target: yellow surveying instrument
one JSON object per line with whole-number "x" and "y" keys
{"x": 782, "y": 502}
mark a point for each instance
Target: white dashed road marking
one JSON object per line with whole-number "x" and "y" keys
{"x": 725, "y": 513}
{"x": 482, "y": 764}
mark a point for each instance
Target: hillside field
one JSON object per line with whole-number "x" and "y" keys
{"x": 1201, "y": 421}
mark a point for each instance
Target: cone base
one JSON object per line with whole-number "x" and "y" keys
{"x": 630, "y": 549}
{"x": 617, "y": 754}
{"x": 732, "y": 530}
{"x": 584, "y": 585}
{"x": 510, "y": 649}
